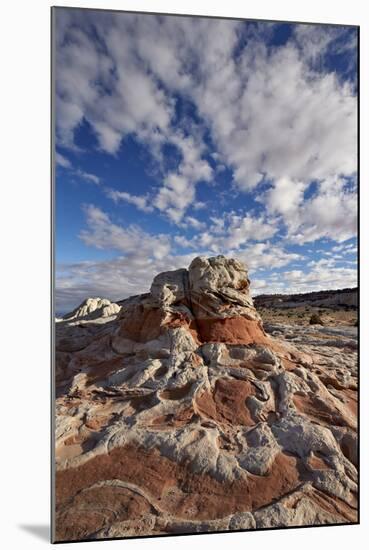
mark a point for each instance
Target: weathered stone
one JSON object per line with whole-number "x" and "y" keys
{"x": 180, "y": 414}
{"x": 93, "y": 308}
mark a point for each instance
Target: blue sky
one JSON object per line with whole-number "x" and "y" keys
{"x": 182, "y": 136}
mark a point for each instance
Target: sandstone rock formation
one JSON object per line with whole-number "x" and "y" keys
{"x": 93, "y": 308}
{"x": 182, "y": 414}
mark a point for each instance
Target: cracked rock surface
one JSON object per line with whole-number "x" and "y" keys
{"x": 179, "y": 412}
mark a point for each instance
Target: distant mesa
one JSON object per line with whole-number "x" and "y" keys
{"x": 346, "y": 297}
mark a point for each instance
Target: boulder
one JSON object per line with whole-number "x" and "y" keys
{"x": 93, "y": 308}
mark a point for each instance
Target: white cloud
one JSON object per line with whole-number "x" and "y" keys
{"x": 345, "y": 248}
{"x": 330, "y": 212}
{"x": 92, "y": 178}
{"x": 183, "y": 241}
{"x": 141, "y": 202}
{"x": 270, "y": 114}
{"x": 115, "y": 279}
{"x": 266, "y": 114}
{"x": 258, "y": 286}
{"x": 267, "y": 256}
{"x": 243, "y": 229}
{"x": 199, "y": 205}
{"x": 284, "y": 197}
{"x": 179, "y": 188}
{"x": 315, "y": 41}
{"x": 231, "y": 233}
{"x": 131, "y": 240}
{"x": 320, "y": 278}
{"x": 277, "y": 117}
{"x": 190, "y": 221}
{"x": 111, "y": 86}
{"x": 122, "y": 277}
{"x": 322, "y": 263}
{"x": 62, "y": 161}
{"x": 175, "y": 196}
{"x": 104, "y": 87}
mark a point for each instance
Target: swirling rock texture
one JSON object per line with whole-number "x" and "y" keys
{"x": 182, "y": 414}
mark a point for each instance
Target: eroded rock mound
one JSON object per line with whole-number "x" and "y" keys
{"x": 181, "y": 414}
{"x": 93, "y": 308}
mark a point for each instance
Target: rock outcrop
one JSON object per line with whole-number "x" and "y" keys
{"x": 181, "y": 414}
{"x": 93, "y": 308}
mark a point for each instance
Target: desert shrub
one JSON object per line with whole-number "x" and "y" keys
{"x": 315, "y": 319}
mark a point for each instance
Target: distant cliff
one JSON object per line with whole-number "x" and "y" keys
{"x": 323, "y": 298}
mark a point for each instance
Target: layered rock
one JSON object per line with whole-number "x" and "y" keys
{"x": 211, "y": 299}
{"x": 182, "y": 415}
{"x": 93, "y": 308}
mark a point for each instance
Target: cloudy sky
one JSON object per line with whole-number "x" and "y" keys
{"x": 180, "y": 136}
